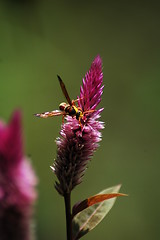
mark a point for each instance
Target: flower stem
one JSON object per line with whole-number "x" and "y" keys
{"x": 67, "y": 199}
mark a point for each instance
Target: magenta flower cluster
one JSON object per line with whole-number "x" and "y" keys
{"x": 78, "y": 142}
{"x": 17, "y": 183}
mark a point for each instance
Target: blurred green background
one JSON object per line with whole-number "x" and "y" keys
{"x": 40, "y": 39}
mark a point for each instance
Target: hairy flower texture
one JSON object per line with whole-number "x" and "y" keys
{"x": 17, "y": 183}
{"x": 78, "y": 141}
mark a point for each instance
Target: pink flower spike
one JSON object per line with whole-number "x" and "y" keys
{"x": 78, "y": 141}
{"x": 17, "y": 183}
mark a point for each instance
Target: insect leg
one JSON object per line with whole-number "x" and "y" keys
{"x": 62, "y": 119}
{"x": 89, "y": 111}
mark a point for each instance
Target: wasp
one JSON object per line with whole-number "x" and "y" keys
{"x": 65, "y": 108}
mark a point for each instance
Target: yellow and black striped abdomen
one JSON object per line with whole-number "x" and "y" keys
{"x": 74, "y": 111}
{"x": 71, "y": 110}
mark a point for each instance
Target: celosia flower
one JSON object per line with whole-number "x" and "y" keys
{"x": 17, "y": 183}
{"x": 78, "y": 141}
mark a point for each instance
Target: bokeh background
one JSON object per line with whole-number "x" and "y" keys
{"x": 40, "y": 39}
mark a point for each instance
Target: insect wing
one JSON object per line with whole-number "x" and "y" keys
{"x": 50, "y": 114}
{"x": 64, "y": 90}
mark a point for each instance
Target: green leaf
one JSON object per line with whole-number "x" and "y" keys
{"x": 80, "y": 206}
{"x": 90, "y": 217}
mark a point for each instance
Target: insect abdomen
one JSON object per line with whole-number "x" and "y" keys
{"x": 71, "y": 111}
